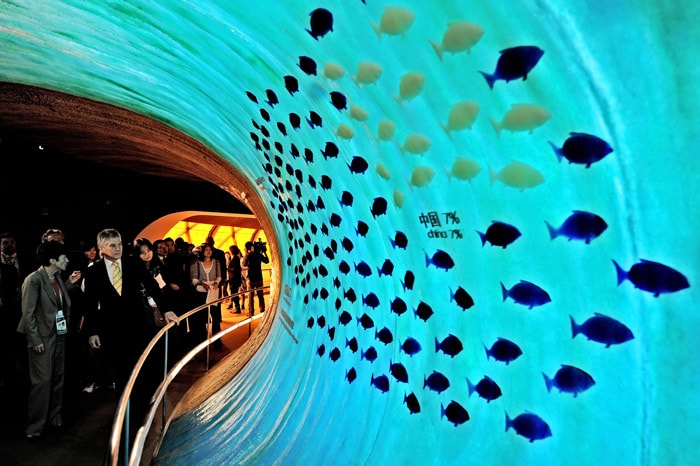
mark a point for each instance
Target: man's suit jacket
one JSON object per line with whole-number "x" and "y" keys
{"x": 40, "y": 305}
{"x": 121, "y": 320}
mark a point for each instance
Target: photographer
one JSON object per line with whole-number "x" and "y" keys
{"x": 256, "y": 255}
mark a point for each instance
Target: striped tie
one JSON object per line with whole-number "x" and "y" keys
{"x": 117, "y": 277}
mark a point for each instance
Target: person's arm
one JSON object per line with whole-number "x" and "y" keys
{"x": 264, "y": 258}
{"x": 31, "y": 289}
{"x": 155, "y": 291}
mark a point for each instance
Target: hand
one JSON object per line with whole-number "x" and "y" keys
{"x": 38, "y": 348}
{"x": 94, "y": 342}
{"x": 75, "y": 276}
{"x": 170, "y": 316}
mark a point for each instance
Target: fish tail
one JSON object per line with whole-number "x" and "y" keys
{"x": 488, "y": 353}
{"x": 442, "y": 410}
{"x": 427, "y": 259}
{"x": 437, "y": 345}
{"x": 448, "y": 173}
{"x": 312, "y": 34}
{"x": 437, "y": 48}
{"x": 493, "y": 175}
{"x": 398, "y": 100}
{"x": 403, "y": 284}
{"x": 377, "y": 30}
{"x": 547, "y": 382}
{"x": 575, "y": 328}
{"x": 509, "y": 422}
{"x": 393, "y": 243}
{"x": 496, "y": 126}
{"x": 553, "y": 233}
{"x": 446, "y": 129}
{"x": 504, "y": 291}
{"x": 483, "y": 238}
{"x": 471, "y": 387}
{"x": 557, "y": 151}
{"x": 410, "y": 185}
{"x": 621, "y": 274}
{"x": 490, "y": 79}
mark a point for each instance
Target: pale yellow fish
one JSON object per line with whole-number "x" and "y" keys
{"x": 462, "y": 116}
{"x": 459, "y": 36}
{"x": 410, "y": 85}
{"x": 344, "y": 131}
{"x": 416, "y": 144}
{"x": 395, "y": 21}
{"x": 333, "y": 71}
{"x": 398, "y": 198}
{"x": 367, "y": 73}
{"x": 464, "y": 169}
{"x": 358, "y": 113}
{"x": 383, "y": 171}
{"x": 386, "y": 130}
{"x": 522, "y": 117}
{"x": 517, "y": 175}
{"x": 421, "y": 177}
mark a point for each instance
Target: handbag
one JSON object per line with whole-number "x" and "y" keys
{"x": 151, "y": 308}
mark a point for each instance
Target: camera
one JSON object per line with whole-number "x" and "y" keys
{"x": 260, "y": 247}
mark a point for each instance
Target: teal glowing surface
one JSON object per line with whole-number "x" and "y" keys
{"x": 625, "y": 72}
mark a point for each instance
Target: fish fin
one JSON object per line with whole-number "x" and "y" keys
{"x": 553, "y": 233}
{"x": 490, "y": 78}
{"x": 398, "y": 99}
{"x": 574, "y": 327}
{"x": 557, "y": 151}
{"x": 547, "y": 382}
{"x": 437, "y": 48}
{"x": 621, "y": 274}
{"x": 496, "y": 126}
{"x": 377, "y": 30}
{"x": 446, "y": 129}
{"x": 493, "y": 175}
{"x": 483, "y": 238}
{"x": 504, "y": 291}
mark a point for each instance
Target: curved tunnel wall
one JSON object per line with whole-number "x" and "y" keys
{"x": 426, "y": 148}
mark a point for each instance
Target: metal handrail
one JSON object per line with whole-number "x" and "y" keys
{"x": 122, "y": 410}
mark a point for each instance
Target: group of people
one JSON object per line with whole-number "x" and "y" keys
{"x": 106, "y": 307}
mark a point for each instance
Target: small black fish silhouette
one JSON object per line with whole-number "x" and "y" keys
{"x": 294, "y": 120}
{"x": 310, "y": 322}
{"x": 530, "y": 426}
{"x": 334, "y": 354}
{"x": 499, "y": 234}
{"x": 379, "y": 206}
{"x": 351, "y": 375}
{"x": 486, "y": 388}
{"x": 251, "y": 96}
{"x": 358, "y": 165}
{"x": 398, "y": 371}
{"x": 321, "y": 321}
{"x": 307, "y": 65}
{"x": 335, "y": 220}
{"x": 350, "y": 295}
{"x": 387, "y": 268}
{"x": 408, "y": 280}
{"x": 582, "y": 148}
{"x": 366, "y": 321}
{"x": 411, "y": 346}
{"x": 347, "y": 244}
{"x": 569, "y": 379}
{"x": 338, "y": 100}
{"x": 424, "y": 311}
{"x": 363, "y": 269}
{"x": 346, "y": 199}
{"x": 398, "y": 306}
{"x": 308, "y": 155}
{"x": 265, "y": 114}
{"x": 352, "y": 344}
{"x": 345, "y": 317}
{"x": 370, "y": 300}
{"x": 602, "y": 329}
{"x": 440, "y": 259}
{"x": 412, "y": 403}
{"x": 436, "y": 382}
{"x": 282, "y": 129}
{"x": 653, "y": 277}
{"x": 454, "y": 412}
{"x": 503, "y": 350}
{"x": 271, "y": 98}
{"x": 321, "y": 349}
{"x": 462, "y": 298}
{"x": 314, "y": 120}
{"x": 369, "y": 355}
{"x": 321, "y": 23}
{"x": 400, "y": 240}
{"x": 579, "y": 225}
{"x": 384, "y": 335}
{"x": 381, "y": 383}
{"x": 330, "y": 151}
{"x": 450, "y": 345}
{"x": 326, "y": 182}
{"x": 291, "y": 83}
{"x": 526, "y": 293}
{"x": 362, "y": 228}
{"x": 514, "y": 63}
{"x": 344, "y": 267}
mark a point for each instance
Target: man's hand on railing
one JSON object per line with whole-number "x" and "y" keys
{"x": 170, "y": 316}
{"x": 94, "y": 342}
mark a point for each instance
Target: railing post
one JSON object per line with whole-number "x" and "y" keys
{"x": 164, "y": 408}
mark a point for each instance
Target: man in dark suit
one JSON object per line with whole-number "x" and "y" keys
{"x": 115, "y": 318}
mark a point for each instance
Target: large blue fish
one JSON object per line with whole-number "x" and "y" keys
{"x": 440, "y": 259}
{"x": 529, "y": 425}
{"x": 514, "y": 63}
{"x": 499, "y": 234}
{"x": 411, "y": 346}
{"x": 450, "y": 345}
{"x": 579, "y": 225}
{"x": 455, "y": 413}
{"x": 437, "y": 382}
{"x": 503, "y": 350}
{"x": 582, "y": 148}
{"x": 381, "y": 383}
{"x": 569, "y": 379}
{"x": 652, "y": 277}
{"x": 526, "y": 293}
{"x": 602, "y": 329}
{"x": 321, "y": 23}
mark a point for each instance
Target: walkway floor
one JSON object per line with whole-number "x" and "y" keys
{"x": 84, "y": 437}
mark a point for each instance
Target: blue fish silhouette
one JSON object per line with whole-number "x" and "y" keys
{"x": 530, "y": 426}
{"x": 424, "y": 311}
{"x": 653, "y": 277}
{"x": 408, "y": 280}
{"x": 291, "y": 83}
{"x": 602, "y": 329}
{"x": 400, "y": 240}
{"x": 330, "y": 151}
{"x": 345, "y": 318}
{"x": 411, "y": 346}
{"x": 351, "y": 375}
{"x": 440, "y": 259}
{"x": 412, "y": 403}
{"x": 454, "y": 412}
{"x": 398, "y": 371}
{"x": 486, "y": 388}
{"x": 370, "y": 354}
{"x": 334, "y": 355}
{"x": 398, "y": 306}
{"x": 499, "y": 234}
{"x": 363, "y": 269}
{"x": 387, "y": 268}
{"x": 366, "y": 321}
{"x": 582, "y": 148}
{"x": 569, "y": 379}
{"x": 358, "y": 165}
{"x": 462, "y": 298}
{"x": 384, "y": 335}
{"x": 514, "y": 63}
{"x": 381, "y": 383}
{"x": 338, "y": 100}
{"x": 503, "y": 350}
{"x": 321, "y": 23}
{"x": 579, "y": 225}
{"x": 436, "y": 382}
{"x": 352, "y": 344}
{"x": 379, "y": 206}
{"x": 371, "y": 300}
{"x": 450, "y": 345}
{"x": 526, "y": 293}
{"x": 307, "y": 65}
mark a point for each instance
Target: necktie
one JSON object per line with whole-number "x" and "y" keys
{"x": 117, "y": 278}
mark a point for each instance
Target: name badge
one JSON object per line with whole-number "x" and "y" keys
{"x": 61, "y": 325}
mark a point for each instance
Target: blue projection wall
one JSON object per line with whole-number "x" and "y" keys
{"x": 485, "y": 211}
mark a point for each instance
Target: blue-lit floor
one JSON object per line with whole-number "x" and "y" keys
{"x": 384, "y": 145}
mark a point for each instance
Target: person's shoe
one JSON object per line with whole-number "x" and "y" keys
{"x": 90, "y": 388}
{"x": 230, "y": 306}
{"x": 33, "y": 437}
{"x": 238, "y": 311}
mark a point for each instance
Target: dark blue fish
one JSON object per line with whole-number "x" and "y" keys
{"x": 411, "y": 346}
{"x": 334, "y": 355}
{"x": 653, "y": 277}
{"x": 338, "y": 100}
{"x": 408, "y": 280}
{"x": 345, "y": 317}
{"x": 450, "y": 345}
{"x": 336, "y": 282}
{"x": 379, "y": 206}
{"x": 362, "y": 228}
{"x": 486, "y": 388}
{"x": 251, "y": 96}
{"x": 530, "y": 426}
{"x": 363, "y": 269}
{"x": 291, "y": 83}
{"x": 324, "y": 227}
{"x": 384, "y": 335}
{"x": 352, "y": 344}
{"x": 398, "y": 306}
{"x": 398, "y": 371}
{"x": 321, "y": 321}
{"x": 294, "y": 120}
{"x": 381, "y": 383}
{"x": 499, "y": 234}
{"x": 314, "y": 120}
{"x": 579, "y": 225}
{"x": 462, "y": 298}
{"x": 358, "y": 165}
{"x": 308, "y": 155}
{"x": 295, "y": 153}
{"x": 370, "y": 354}
{"x": 436, "y": 382}
{"x": 336, "y": 220}
{"x": 387, "y": 268}
{"x": 330, "y": 151}
{"x": 351, "y": 375}
{"x": 424, "y": 311}
{"x": 347, "y": 244}
{"x": 321, "y": 350}
{"x": 271, "y": 98}
{"x": 344, "y": 267}
{"x": 569, "y": 379}
{"x": 526, "y": 293}
{"x": 602, "y": 329}
{"x": 366, "y": 321}
{"x": 310, "y": 322}
{"x": 514, "y": 63}
{"x": 503, "y": 350}
{"x": 454, "y": 412}
{"x": 412, "y": 403}
{"x": 400, "y": 240}
{"x": 440, "y": 259}
{"x": 582, "y": 148}
{"x": 321, "y": 23}
{"x": 371, "y": 300}
{"x": 326, "y": 182}
{"x": 265, "y": 116}
{"x": 307, "y": 65}
{"x": 329, "y": 253}
{"x": 350, "y": 295}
